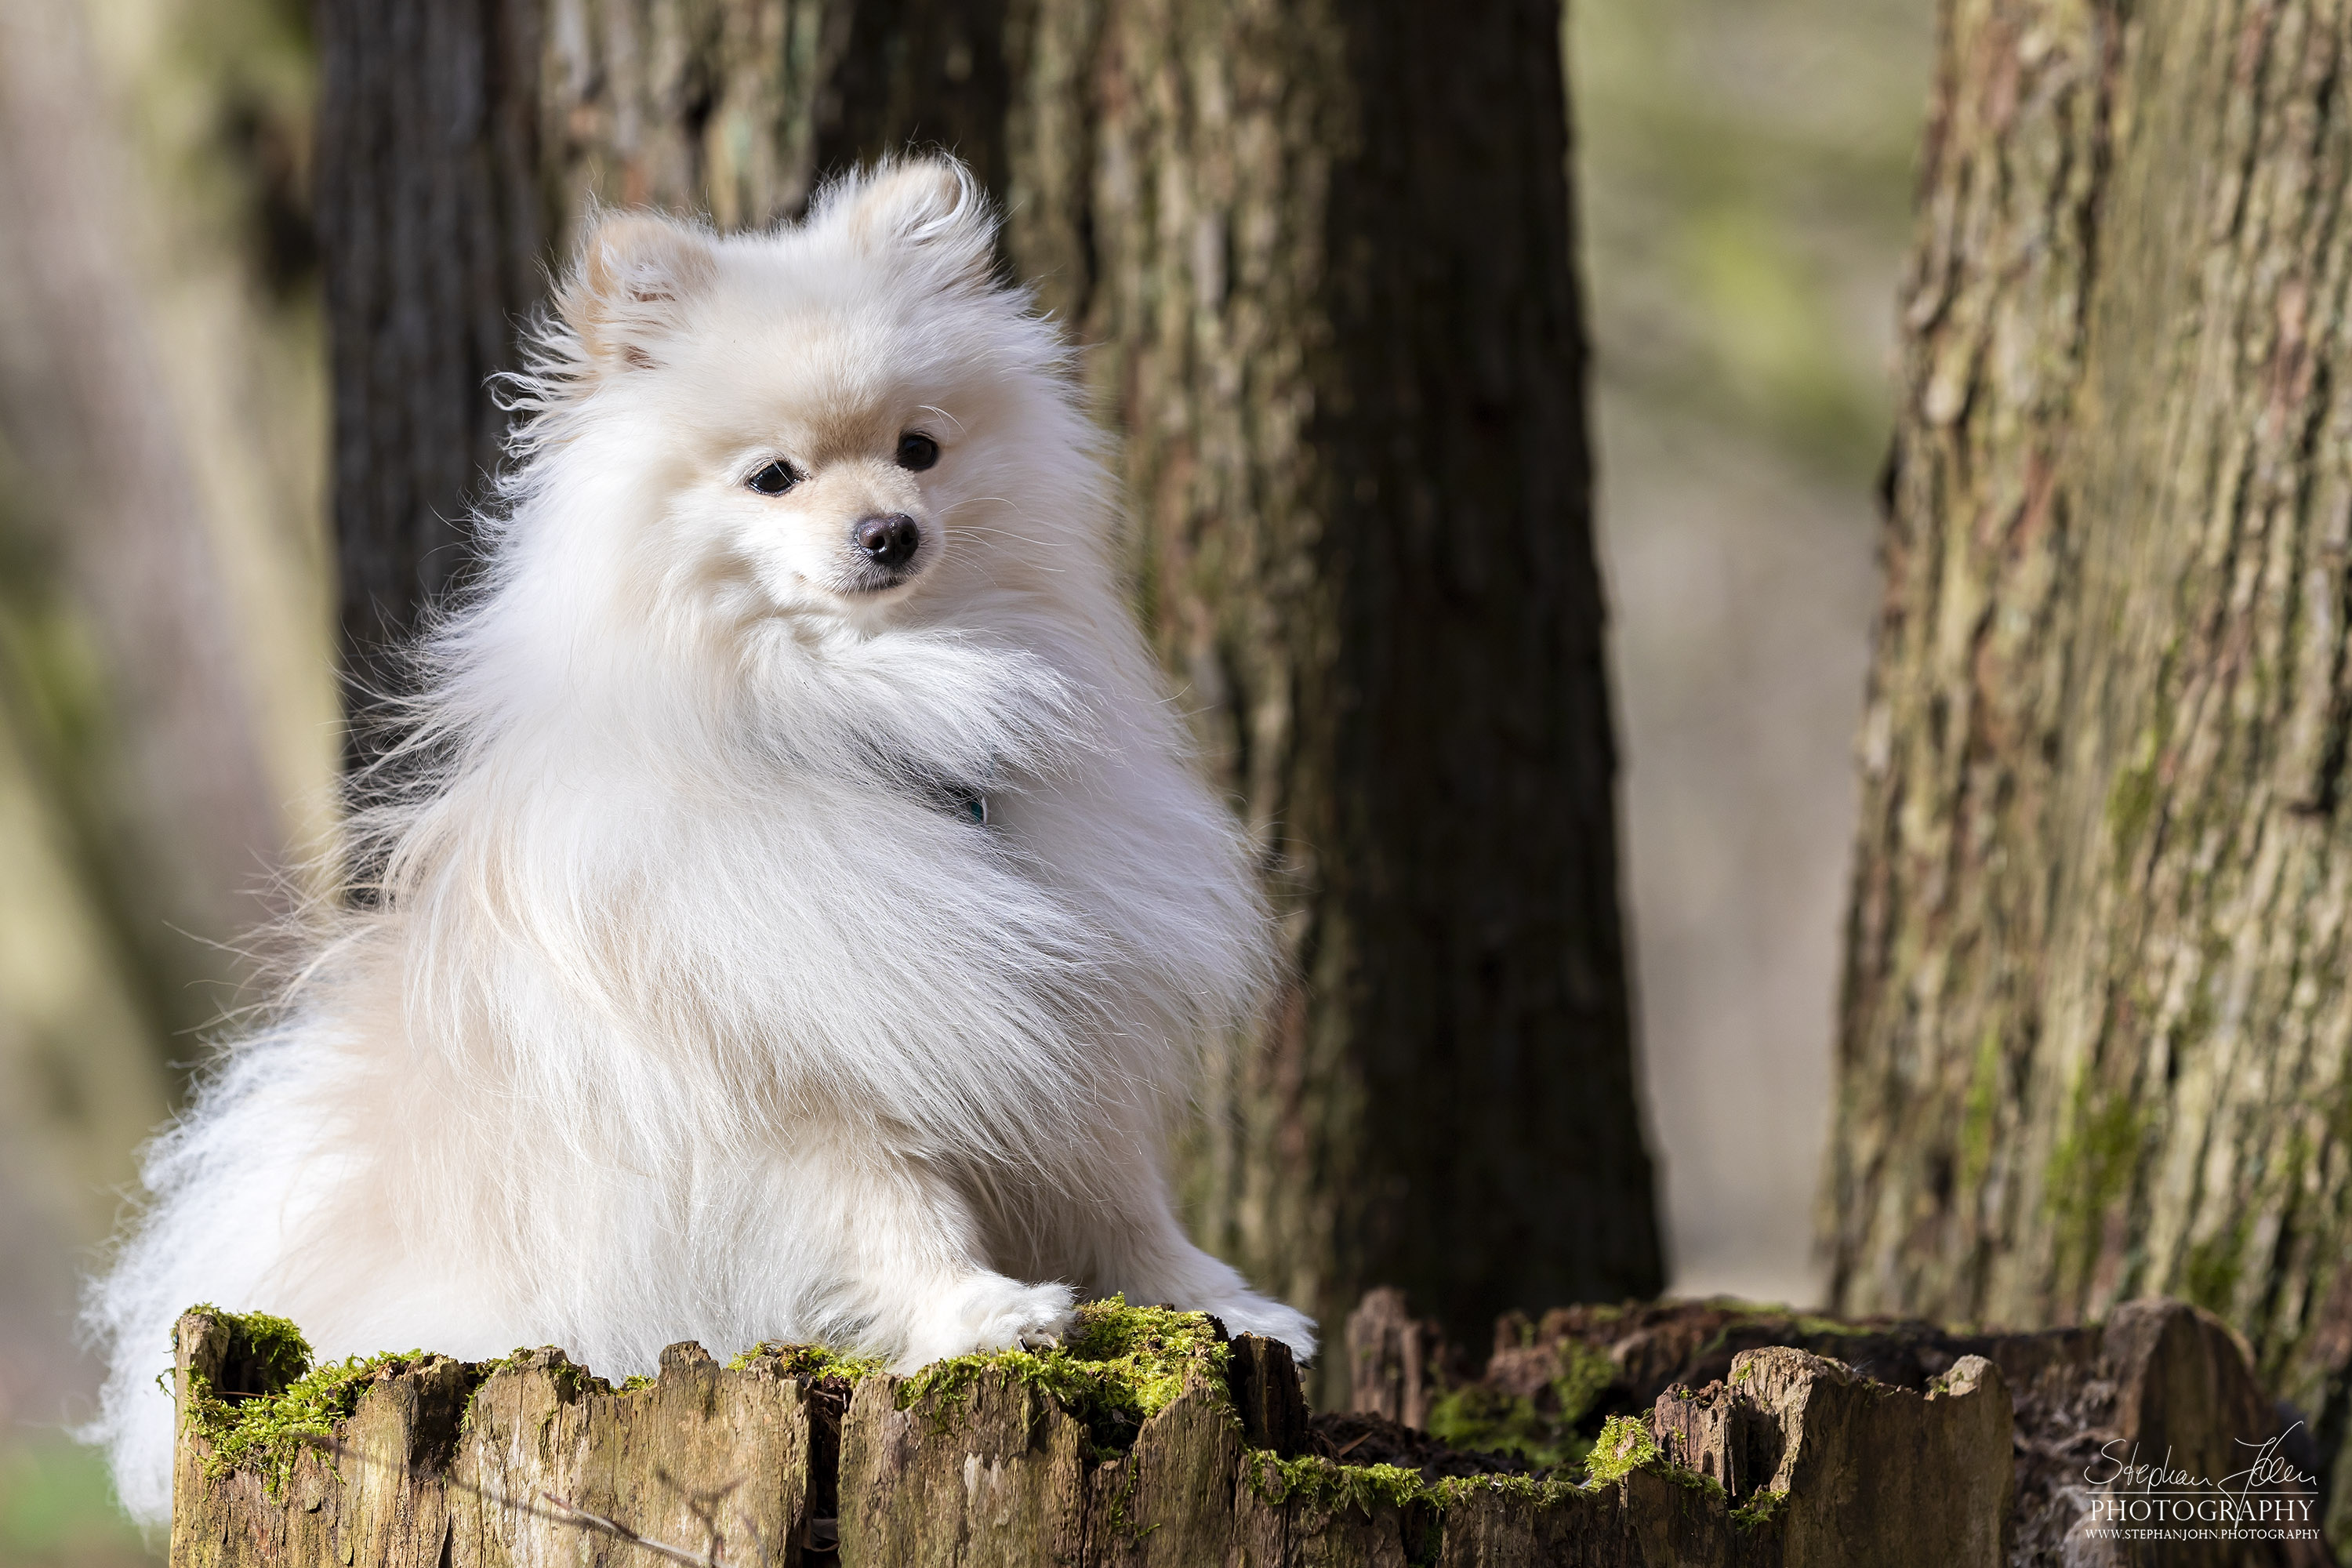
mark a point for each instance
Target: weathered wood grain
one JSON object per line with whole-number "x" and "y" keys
{"x": 442, "y": 1465}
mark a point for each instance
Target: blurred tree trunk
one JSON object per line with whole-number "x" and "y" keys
{"x": 433, "y": 225}
{"x": 2095, "y": 1021}
{"x": 166, "y": 719}
{"x": 1324, "y": 254}
{"x": 134, "y": 517}
{"x": 161, "y": 654}
{"x": 1328, "y": 258}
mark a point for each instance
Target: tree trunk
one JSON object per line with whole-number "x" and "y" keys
{"x": 2094, "y": 1030}
{"x": 1323, "y": 256}
{"x": 433, "y": 226}
{"x": 155, "y": 522}
{"x": 1333, "y": 288}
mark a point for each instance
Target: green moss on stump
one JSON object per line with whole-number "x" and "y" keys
{"x": 265, "y": 1429}
{"x": 272, "y": 1350}
{"x": 1623, "y": 1447}
{"x": 1115, "y": 1368}
{"x": 1586, "y": 1373}
{"x": 571, "y": 1381}
{"x": 1488, "y": 1420}
{"x": 1479, "y": 1418}
{"x": 1331, "y": 1486}
{"x": 1536, "y": 1492}
{"x": 1760, "y": 1509}
{"x": 808, "y": 1360}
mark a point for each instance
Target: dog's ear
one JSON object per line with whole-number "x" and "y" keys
{"x": 929, "y": 211}
{"x": 630, "y": 287}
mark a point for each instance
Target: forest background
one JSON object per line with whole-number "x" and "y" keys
{"x": 1744, "y": 202}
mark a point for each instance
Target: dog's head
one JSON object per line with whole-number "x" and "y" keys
{"x": 848, "y": 420}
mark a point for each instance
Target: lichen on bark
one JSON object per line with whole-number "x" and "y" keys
{"x": 2094, "y": 1042}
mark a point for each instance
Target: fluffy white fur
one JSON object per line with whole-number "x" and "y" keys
{"x": 694, "y": 1005}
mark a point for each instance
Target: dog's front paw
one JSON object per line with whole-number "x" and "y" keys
{"x": 991, "y": 1312}
{"x": 1250, "y": 1313}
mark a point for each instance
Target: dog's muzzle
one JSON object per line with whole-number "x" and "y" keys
{"x": 885, "y": 547}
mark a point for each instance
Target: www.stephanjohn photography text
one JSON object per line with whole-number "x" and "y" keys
{"x": 2268, "y": 1499}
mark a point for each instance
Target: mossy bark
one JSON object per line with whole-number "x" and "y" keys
{"x": 1323, "y": 258}
{"x": 2095, "y": 1034}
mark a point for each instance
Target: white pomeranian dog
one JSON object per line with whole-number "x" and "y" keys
{"x": 808, "y": 923}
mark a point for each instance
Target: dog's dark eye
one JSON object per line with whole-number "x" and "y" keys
{"x": 774, "y": 480}
{"x": 917, "y": 451}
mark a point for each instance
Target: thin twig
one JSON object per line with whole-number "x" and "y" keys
{"x": 583, "y": 1519}
{"x": 555, "y": 1510}
{"x": 703, "y": 1505}
{"x": 751, "y": 1528}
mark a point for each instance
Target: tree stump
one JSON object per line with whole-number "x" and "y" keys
{"x": 2159, "y": 1383}
{"x": 1147, "y": 1439}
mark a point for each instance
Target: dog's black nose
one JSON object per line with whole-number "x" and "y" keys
{"x": 889, "y": 541}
